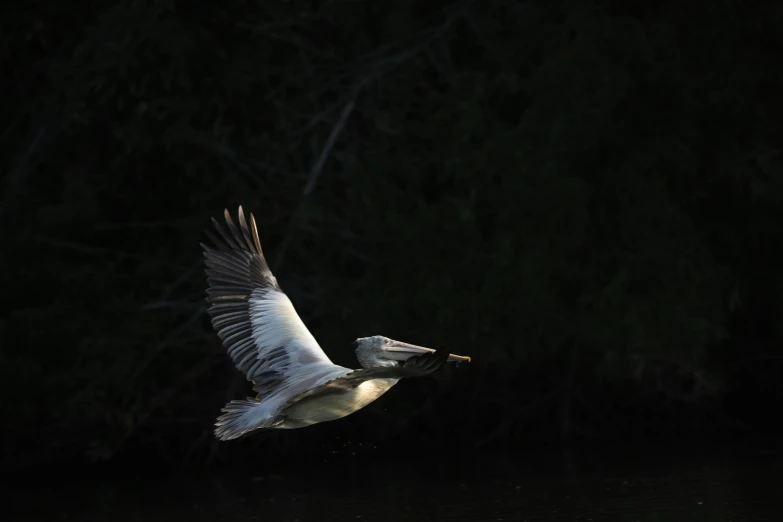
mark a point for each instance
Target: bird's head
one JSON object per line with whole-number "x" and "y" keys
{"x": 381, "y": 351}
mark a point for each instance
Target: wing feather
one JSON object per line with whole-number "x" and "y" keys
{"x": 255, "y": 320}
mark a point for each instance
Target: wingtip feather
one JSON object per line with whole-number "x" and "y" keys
{"x": 254, "y": 232}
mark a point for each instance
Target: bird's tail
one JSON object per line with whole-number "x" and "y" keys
{"x": 242, "y": 417}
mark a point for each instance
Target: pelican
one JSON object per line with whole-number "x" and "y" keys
{"x": 296, "y": 383}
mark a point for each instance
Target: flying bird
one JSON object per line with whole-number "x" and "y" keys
{"x": 296, "y": 383}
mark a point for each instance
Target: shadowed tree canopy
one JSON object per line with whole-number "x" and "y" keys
{"x": 587, "y": 199}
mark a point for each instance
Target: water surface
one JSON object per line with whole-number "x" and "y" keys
{"x": 719, "y": 484}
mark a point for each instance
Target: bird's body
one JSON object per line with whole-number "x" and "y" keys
{"x": 318, "y": 407}
{"x": 297, "y": 385}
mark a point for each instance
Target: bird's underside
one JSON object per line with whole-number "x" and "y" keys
{"x": 352, "y": 392}
{"x": 297, "y": 385}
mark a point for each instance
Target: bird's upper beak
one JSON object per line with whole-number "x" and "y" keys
{"x": 400, "y": 351}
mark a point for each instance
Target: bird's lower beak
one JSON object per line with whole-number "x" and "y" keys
{"x": 401, "y": 351}
{"x": 458, "y": 358}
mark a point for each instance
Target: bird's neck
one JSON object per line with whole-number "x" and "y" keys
{"x": 376, "y": 362}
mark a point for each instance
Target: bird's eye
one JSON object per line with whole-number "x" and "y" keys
{"x": 386, "y": 341}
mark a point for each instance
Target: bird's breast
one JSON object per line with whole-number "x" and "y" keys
{"x": 332, "y": 406}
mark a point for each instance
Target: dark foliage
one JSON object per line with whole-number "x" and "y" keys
{"x": 586, "y": 198}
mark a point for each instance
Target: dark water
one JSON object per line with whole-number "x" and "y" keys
{"x": 718, "y": 484}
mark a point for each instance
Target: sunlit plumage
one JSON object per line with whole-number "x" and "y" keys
{"x": 296, "y": 384}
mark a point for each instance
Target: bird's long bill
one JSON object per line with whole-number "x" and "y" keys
{"x": 400, "y": 351}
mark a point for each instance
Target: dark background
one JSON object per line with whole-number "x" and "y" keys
{"x": 585, "y": 197}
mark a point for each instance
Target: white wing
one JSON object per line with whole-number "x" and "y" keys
{"x": 256, "y": 321}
